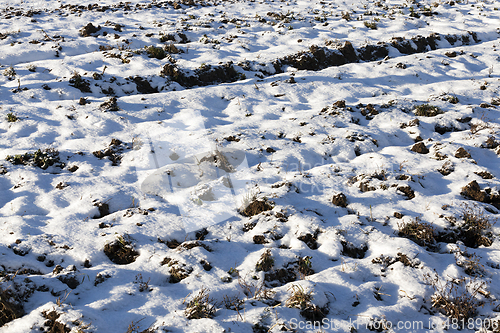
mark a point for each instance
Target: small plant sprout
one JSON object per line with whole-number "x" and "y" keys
{"x": 470, "y": 262}
{"x": 143, "y": 285}
{"x": 233, "y": 272}
{"x": 10, "y": 309}
{"x": 42, "y": 159}
{"x": 11, "y": 117}
{"x": 234, "y": 303}
{"x": 60, "y": 301}
{"x": 305, "y": 266}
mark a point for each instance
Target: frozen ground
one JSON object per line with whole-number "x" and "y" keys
{"x": 371, "y": 136}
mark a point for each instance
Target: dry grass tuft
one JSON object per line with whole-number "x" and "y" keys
{"x": 201, "y": 306}
{"x": 456, "y": 298}
{"x": 254, "y": 289}
{"x": 10, "y": 309}
{"x": 475, "y": 230}
{"x": 427, "y": 110}
{"x": 419, "y": 232}
{"x": 300, "y": 299}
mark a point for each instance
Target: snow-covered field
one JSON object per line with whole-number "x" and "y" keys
{"x": 368, "y": 142}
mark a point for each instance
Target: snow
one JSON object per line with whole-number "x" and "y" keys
{"x": 292, "y": 146}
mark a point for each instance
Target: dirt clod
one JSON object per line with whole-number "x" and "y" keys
{"x": 339, "y": 200}
{"x": 473, "y": 191}
{"x": 71, "y": 281}
{"x": 103, "y": 209}
{"x": 280, "y": 276}
{"x": 462, "y": 153}
{"x": 120, "y": 252}
{"x": 310, "y": 240}
{"x": 485, "y": 175}
{"x": 113, "y": 152}
{"x": 446, "y": 168}
{"x": 420, "y": 148}
{"x": 260, "y": 239}
{"x": 143, "y": 86}
{"x": 206, "y": 265}
{"x": 407, "y": 191}
{"x": 490, "y": 143}
{"x": 398, "y": 215}
{"x": 110, "y": 105}
{"x": 52, "y": 325}
{"x": 89, "y": 29}
{"x": 350, "y": 250}
{"x": 256, "y": 207}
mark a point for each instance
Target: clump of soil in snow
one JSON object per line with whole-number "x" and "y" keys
{"x": 339, "y": 200}
{"x": 473, "y": 191}
{"x": 120, "y": 251}
{"x": 256, "y": 207}
{"x": 113, "y": 152}
{"x": 89, "y": 29}
{"x": 9, "y": 310}
{"x": 52, "y": 325}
